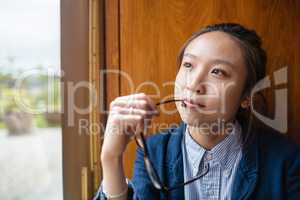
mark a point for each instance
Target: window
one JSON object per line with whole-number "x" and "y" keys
{"x": 30, "y": 128}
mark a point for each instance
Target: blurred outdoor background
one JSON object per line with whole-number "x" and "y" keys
{"x": 30, "y": 100}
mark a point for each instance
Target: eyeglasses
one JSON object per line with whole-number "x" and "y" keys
{"x": 151, "y": 170}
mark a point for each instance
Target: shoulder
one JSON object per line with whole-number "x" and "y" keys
{"x": 164, "y": 136}
{"x": 159, "y": 143}
{"x": 277, "y": 146}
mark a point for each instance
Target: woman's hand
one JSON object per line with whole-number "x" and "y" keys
{"x": 128, "y": 116}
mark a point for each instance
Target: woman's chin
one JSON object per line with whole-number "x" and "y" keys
{"x": 193, "y": 121}
{"x": 197, "y": 119}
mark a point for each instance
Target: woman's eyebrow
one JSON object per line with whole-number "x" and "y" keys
{"x": 214, "y": 61}
{"x": 225, "y": 62}
{"x": 190, "y": 55}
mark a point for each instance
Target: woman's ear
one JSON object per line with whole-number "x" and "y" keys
{"x": 245, "y": 104}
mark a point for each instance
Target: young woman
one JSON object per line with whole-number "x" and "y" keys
{"x": 218, "y": 67}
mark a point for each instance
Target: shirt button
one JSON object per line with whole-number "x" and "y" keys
{"x": 208, "y": 156}
{"x": 210, "y": 193}
{"x": 226, "y": 173}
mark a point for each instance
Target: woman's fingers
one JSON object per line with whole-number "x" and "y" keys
{"x": 128, "y": 116}
{"x": 131, "y": 120}
{"x": 136, "y": 100}
{"x": 131, "y": 114}
{"x": 133, "y": 111}
{"x": 141, "y": 116}
{"x": 126, "y": 119}
{"x": 141, "y": 104}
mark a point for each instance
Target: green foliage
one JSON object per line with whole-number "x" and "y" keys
{"x": 2, "y": 125}
{"x": 40, "y": 121}
{"x": 33, "y": 94}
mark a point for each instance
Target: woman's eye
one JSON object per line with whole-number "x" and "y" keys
{"x": 219, "y": 72}
{"x": 187, "y": 65}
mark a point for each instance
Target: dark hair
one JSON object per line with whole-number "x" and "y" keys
{"x": 255, "y": 60}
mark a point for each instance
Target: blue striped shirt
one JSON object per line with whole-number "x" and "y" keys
{"x": 222, "y": 159}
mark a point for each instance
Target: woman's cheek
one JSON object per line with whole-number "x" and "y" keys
{"x": 218, "y": 98}
{"x": 231, "y": 102}
{"x": 179, "y": 85}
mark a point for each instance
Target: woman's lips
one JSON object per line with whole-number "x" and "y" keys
{"x": 191, "y": 104}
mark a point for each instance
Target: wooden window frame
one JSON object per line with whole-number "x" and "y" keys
{"x": 83, "y": 56}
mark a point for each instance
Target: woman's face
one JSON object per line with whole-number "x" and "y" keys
{"x": 211, "y": 79}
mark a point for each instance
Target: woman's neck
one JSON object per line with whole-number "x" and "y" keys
{"x": 208, "y": 139}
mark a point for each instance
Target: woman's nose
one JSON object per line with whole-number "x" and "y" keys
{"x": 196, "y": 83}
{"x": 197, "y": 87}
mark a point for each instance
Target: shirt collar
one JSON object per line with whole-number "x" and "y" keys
{"x": 224, "y": 152}
{"x": 194, "y": 151}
